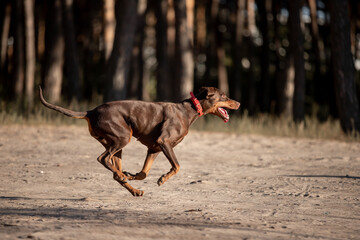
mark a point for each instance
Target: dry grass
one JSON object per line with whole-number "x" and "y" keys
{"x": 275, "y": 126}
{"x": 40, "y": 115}
{"x": 262, "y": 125}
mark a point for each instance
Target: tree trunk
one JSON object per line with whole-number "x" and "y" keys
{"x": 19, "y": 62}
{"x": 6, "y": 58}
{"x": 183, "y": 52}
{"x": 30, "y": 53}
{"x": 297, "y": 52}
{"x": 171, "y": 39}
{"x": 264, "y": 8}
{"x": 280, "y": 65}
{"x": 164, "y": 81}
{"x": 289, "y": 86}
{"x": 222, "y": 70}
{"x": 137, "y": 60}
{"x": 217, "y": 49}
{"x": 200, "y": 26}
{"x": 71, "y": 52}
{"x": 315, "y": 36}
{"x": 251, "y": 29}
{"x": 117, "y": 71}
{"x": 54, "y": 52}
{"x": 109, "y": 26}
{"x": 240, "y": 19}
{"x": 200, "y": 38}
{"x": 190, "y": 6}
{"x": 320, "y": 81}
{"x": 40, "y": 25}
{"x": 5, "y": 32}
{"x": 284, "y": 73}
{"x": 212, "y": 66}
{"x": 356, "y": 19}
{"x": 343, "y": 67}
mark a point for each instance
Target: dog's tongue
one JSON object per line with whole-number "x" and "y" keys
{"x": 225, "y": 114}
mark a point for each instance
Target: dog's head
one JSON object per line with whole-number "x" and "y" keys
{"x": 216, "y": 102}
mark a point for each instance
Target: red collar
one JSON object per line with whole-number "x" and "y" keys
{"x": 197, "y": 104}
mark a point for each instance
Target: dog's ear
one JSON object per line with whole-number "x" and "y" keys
{"x": 206, "y": 92}
{"x": 202, "y": 93}
{"x": 202, "y": 89}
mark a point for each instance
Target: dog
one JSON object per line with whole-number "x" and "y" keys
{"x": 160, "y": 126}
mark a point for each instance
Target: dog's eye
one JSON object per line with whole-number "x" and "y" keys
{"x": 210, "y": 95}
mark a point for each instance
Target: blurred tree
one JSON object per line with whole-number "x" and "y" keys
{"x": 240, "y": 19}
{"x": 136, "y": 85}
{"x": 117, "y": 69}
{"x": 147, "y": 49}
{"x": 183, "y": 53}
{"x": 89, "y": 22}
{"x": 30, "y": 53}
{"x": 171, "y": 36}
{"x": 281, "y": 62}
{"x": 190, "y": 9}
{"x": 221, "y": 56}
{"x": 251, "y": 30}
{"x": 316, "y": 41}
{"x": 19, "y": 61}
{"x": 297, "y": 53}
{"x": 71, "y": 52}
{"x": 216, "y": 73}
{"x": 318, "y": 51}
{"x": 109, "y": 26}
{"x": 200, "y": 27}
{"x": 343, "y": 67}
{"x": 5, "y": 28}
{"x": 54, "y": 52}
{"x": 211, "y": 75}
{"x": 264, "y": 8}
{"x": 40, "y": 25}
{"x": 164, "y": 81}
{"x": 6, "y": 10}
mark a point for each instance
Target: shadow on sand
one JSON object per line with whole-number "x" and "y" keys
{"x": 322, "y": 176}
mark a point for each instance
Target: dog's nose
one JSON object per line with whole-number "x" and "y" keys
{"x": 237, "y": 105}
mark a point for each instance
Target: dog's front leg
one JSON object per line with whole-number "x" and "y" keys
{"x": 170, "y": 155}
{"x": 150, "y": 157}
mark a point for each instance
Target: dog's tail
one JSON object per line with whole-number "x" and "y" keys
{"x": 64, "y": 111}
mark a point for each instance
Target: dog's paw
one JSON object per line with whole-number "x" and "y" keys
{"x": 138, "y": 193}
{"x": 129, "y": 176}
{"x": 121, "y": 178}
{"x": 138, "y": 176}
{"x": 161, "y": 180}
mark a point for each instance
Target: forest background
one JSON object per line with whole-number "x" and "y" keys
{"x": 293, "y": 60}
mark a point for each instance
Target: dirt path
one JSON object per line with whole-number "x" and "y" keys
{"x": 229, "y": 187}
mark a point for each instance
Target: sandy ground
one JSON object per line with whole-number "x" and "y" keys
{"x": 229, "y": 187}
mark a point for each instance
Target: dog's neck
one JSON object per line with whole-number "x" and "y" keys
{"x": 196, "y": 104}
{"x": 191, "y": 110}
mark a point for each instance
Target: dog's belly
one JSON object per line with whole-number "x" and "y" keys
{"x": 151, "y": 142}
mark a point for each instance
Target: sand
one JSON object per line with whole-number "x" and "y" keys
{"x": 229, "y": 187}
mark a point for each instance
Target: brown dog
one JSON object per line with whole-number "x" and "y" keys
{"x": 158, "y": 125}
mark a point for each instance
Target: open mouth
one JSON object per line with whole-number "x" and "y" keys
{"x": 224, "y": 114}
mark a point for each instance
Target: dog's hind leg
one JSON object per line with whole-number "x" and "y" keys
{"x": 111, "y": 158}
{"x": 113, "y": 164}
{"x": 122, "y": 179}
{"x": 112, "y": 161}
